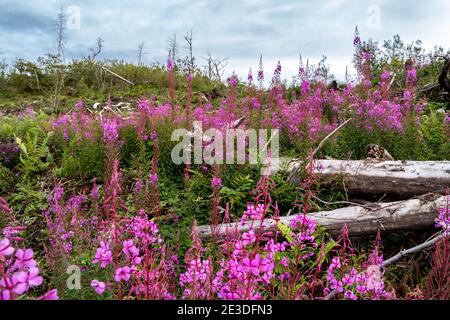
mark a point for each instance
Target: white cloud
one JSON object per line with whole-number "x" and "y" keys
{"x": 239, "y": 31}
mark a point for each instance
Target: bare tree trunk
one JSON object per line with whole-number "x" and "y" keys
{"x": 401, "y": 215}
{"x": 60, "y": 25}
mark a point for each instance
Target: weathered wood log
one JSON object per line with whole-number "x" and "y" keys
{"x": 400, "y": 215}
{"x": 396, "y": 178}
{"x": 443, "y": 79}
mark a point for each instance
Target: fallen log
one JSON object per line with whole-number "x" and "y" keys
{"x": 400, "y": 215}
{"x": 396, "y": 178}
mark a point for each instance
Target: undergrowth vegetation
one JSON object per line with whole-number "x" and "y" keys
{"x": 96, "y": 194}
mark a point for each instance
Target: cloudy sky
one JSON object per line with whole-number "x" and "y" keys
{"x": 239, "y": 30}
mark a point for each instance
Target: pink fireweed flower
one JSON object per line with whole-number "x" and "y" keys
{"x": 337, "y": 285}
{"x": 238, "y": 248}
{"x": 301, "y": 70}
{"x": 30, "y": 112}
{"x": 443, "y": 220}
{"x": 357, "y": 38}
{"x": 5, "y": 248}
{"x": 23, "y": 280}
{"x": 233, "y": 80}
{"x": 79, "y": 105}
{"x": 24, "y": 258}
{"x": 196, "y": 278}
{"x": 98, "y": 286}
{"x": 169, "y": 63}
{"x": 248, "y": 237}
{"x": 103, "y": 255}
{"x": 307, "y": 227}
{"x": 94, "y": 192}
{"x": 13, "y": 233}
{"x": 138, "y": 186}
{"x": 153, "y": 135}
{"x": 189, "y": 76}
{"x": 261, "y": 73}
{"x": 51, "y": 295}
{"x": 143, "y": 105}
{"x": 255, "y": 103}
{"x": 75, "y": 202}
{"x": 407, "y": 95}
{"x": 335, "y": 263}
{"x": 348, "y": 280}
{"x": 110, "y": 130}
{"x": 128, "y": 246}
{"x": 131, "y": 251}
{"x": 216, "y": 182}
{"x": 254, "y": 212}
{"x": 374, "y": 279}
{"x": 277, "y": 75}
{"x": 228, "y": 294}
{"x": 252, "y": 266}
{"x": 349, "y": 295}
{"x": 122, "y": 274}
{"x": 411, "y": 75}
{"x": 385, "y": 76}
{"x": 305, "y": 87}
{"x": 54, "y": 197}
{"x": 250, "y": 77}
{"x": 361, "y": 284}
{"x": 154, "y": 179}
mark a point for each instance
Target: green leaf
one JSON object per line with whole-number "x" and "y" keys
{"x": 285, "y": 230}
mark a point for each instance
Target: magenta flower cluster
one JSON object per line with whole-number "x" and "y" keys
{"x": 110, "y": 128}
{"x": 19, "y": 272}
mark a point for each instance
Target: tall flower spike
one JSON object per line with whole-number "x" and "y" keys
{"x": 250, "y": 77}
{"x": 110, "y": 130}
{"x": 233, "y": 79}
{"x": 277, "y": 73}
{"x": 169, "y": 61}
{"x": 261, "y": 72}
{"x": 301, "y": 69}
{"x": 356, "y": 38}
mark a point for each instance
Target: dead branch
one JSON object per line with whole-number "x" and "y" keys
{"x": 115, "y": 74}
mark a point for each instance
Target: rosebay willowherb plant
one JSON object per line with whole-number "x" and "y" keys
{"x": 19, "y": 270}
{"x": 115, "y": 203}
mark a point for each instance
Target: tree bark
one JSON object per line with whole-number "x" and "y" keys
{"x": 398, "y": 178}
{"x": 443, "y": 79}
{"x": 400, "y": 215}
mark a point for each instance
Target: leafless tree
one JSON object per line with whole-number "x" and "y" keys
{"x": 215, "y": 67}
{"x": 60, "y": 26}
{"x": 173, "y": 47}
{"x": 141, "y": 53}
{"x": 191, "y": 60}
{"x": 97, "y": 50}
